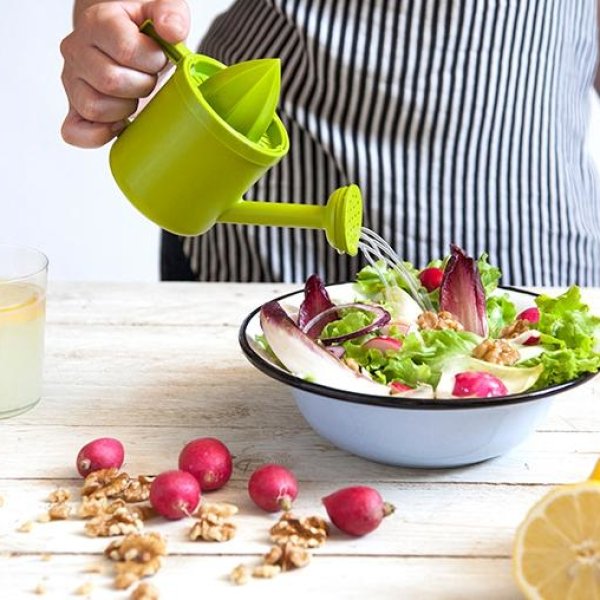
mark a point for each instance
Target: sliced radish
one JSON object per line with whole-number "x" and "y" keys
{"x": 383, "y": 343}
{"x": 515, "y": 379}
{"x": 478, "y": 384}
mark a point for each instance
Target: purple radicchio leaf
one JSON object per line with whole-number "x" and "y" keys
{"x": 462, "y": 293}
{"x": 316, "y": 301}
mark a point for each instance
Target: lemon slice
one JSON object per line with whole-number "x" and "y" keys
{"x": 20, "y": 302}
{"x": 557, "y": 547}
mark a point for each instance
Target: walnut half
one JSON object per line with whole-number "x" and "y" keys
{"x": 499, "y": 352}
{"x": 441, "y": 320}
{"x": 137, "y": 555}
{"x": 288, "y": 556}
{"x": 306, "y": 532}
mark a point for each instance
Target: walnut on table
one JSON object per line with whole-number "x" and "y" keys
{"x": 116, "y": 518}
{"x": 441, "y": 320}
{"x": 266, "y": 571}
{"x": 499, "y": 352}
{"x": 288, "y": 556}
{"x": 305, "y": 532}
{"x": 59, "y": 512}
{"x": 136, "y": 555}
{"x": 59, "y": 496}
{"x": 105, "y": 483}
{"x": 240, "y": 575}
{"x": 212, "y": 525}
{"x": 111, "y": 483}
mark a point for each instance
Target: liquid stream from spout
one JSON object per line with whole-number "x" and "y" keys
{"x": 376, "y": 250}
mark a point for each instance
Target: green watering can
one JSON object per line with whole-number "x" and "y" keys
{"x": 206, "y": 137}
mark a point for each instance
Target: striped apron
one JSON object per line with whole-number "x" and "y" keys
{"x": 461, "y": 120}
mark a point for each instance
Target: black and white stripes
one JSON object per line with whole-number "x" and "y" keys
{"x": 461, "y": 120}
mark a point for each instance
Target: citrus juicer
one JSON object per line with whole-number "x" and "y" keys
{"x": 206, "y": 137}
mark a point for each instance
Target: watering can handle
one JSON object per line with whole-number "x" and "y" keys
{"x": 175, "y": 52}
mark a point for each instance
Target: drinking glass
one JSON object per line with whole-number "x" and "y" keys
{"x": 23, "y": 278}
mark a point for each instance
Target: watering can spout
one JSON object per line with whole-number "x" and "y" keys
{"x": 341, "y": 217}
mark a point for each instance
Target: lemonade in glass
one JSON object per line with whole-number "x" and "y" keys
{"x": 23, "y": 274}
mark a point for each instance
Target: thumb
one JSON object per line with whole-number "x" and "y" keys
{"x": 171, "y": 19}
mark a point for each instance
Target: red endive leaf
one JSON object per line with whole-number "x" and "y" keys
{"x": 462, "y": 293}
{"x": 316, "y": 301}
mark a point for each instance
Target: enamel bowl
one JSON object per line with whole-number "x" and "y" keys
{"x": 408, "y": 432}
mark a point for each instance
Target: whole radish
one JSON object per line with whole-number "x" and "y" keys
{"x": 209, "y": 461}
{"x": 531, "y": 314}
{"x": 103, "y": 453}
{"x": 175, "y": 494}
{"x": 273, "y": 487}
{"x": 357, "y": 510}
{"x": 431, "y": 278}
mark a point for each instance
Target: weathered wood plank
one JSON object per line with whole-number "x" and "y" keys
{"x": 347, "y": 578}
{"x": 547, "y": 457}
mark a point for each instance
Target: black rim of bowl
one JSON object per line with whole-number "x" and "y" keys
{"x": 394, "y": 401}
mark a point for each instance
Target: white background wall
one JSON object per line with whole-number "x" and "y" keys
{"x": 63, "y": 199}
{"x": 52, "y": 196}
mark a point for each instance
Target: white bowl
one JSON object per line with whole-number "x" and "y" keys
{"x": 408, "y": 432}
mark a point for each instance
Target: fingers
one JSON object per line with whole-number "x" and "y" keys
{"x": 94, "y": 106}
{"x": 109, "y": 64}
{"x": 171, "y": 19}
{"x": 108, "y": 77}
{"x": 87, "y": 134}
{"x": 127, "y": 46}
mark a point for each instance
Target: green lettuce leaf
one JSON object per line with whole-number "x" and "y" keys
{"x": 567, "y": 318}
{"x": 561, "y": 366}
{"x": 500, "y": 312}
{"x": 490, "y": 276}
{"x": 421, "y": 358}
{"x": 569, "y": 336}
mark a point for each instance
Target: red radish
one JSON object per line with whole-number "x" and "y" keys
{"x": 398, "y": 387}
{"x": 209, "y": 461}
{"x": 383, "y": 343}
{"x": 531, "y": 314}
{"x": 357, "y": 510}
{"x": 273, "y": 487}
{"x": 532, "y": 340}
{"x": 103, "y": 453}
{"x": 479, "y": 384}
{"x": 431, "y": 278}
{"x": 175, "y": 494}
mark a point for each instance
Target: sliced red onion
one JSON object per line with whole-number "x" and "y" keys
{"x": 462, "y": 293}
{"x": 316, "y": 301}
{"x": 381, "y": 318}
{"x": 383, "y": 343}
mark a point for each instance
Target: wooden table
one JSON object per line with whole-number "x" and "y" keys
{"x": 156, "y": 365}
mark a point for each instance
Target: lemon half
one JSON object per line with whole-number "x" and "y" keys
{"x": 557, "y": 547}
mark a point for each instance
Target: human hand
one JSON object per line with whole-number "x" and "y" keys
{"x": 109, "y": 64}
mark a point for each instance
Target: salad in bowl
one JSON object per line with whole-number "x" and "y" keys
{"x": 445, "y": 370}
{"x": 470, "y": 341}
